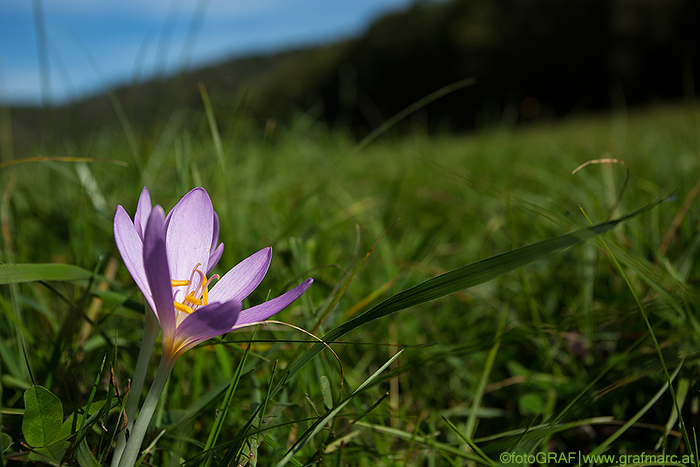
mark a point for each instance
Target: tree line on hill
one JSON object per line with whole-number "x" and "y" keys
{"x": 531, "y": 59}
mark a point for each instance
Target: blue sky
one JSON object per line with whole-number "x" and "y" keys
{"x": 93, "y": 43}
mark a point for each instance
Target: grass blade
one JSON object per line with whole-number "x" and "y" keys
{"x": 226, "y": 403}
{"x": 14, "y": 273}
{"x": 321, "y": 422}
{"x": 481, "y": 387}
{"x": 463, "y": 278}
{"x": 424, "y": 440}
{"x": 602, "y": 446}
{"x": 471, "y": 443}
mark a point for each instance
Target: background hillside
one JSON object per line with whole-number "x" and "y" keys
{"x": 531, "y": 59}
{"x": 595, "y": 349}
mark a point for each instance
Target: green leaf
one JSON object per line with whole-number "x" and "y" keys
{"x": 43, "y": 416}
{"x": 13, "y": 273}
{"x": 326, "y": 392}
{"x": 531, "y": 404}
{"x": 53, "y": 453}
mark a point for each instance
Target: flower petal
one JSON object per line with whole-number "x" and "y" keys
{"x": 214, "y": 258}
{"x": 155, "y": 258}
{"x": 215, "y": 233}
{"x": 263, "y": 311}
{"x": 209, "y": 321}
{"x": 189, "y": 234}
{"x": 143, "y": 210}
{"x": 214, "y": 251}
{"x": 240, "y": 281}
{"x": 130, "y": 247}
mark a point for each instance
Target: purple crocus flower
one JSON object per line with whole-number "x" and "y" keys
{"x": 170, "y": 259}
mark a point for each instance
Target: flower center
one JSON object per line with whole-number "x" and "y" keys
{"x": 196, "y": 294}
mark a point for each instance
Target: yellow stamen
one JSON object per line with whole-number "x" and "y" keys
{"x": 191, "y": 300}
{"x": 205, "y": 292}
{"x": 183, "y": 308}
{"x": 195, "y": 301}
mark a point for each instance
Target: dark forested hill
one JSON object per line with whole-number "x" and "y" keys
{"x": 531, "y": 59}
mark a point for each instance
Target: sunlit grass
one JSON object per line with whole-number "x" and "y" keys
{"x": 553, "y": 357}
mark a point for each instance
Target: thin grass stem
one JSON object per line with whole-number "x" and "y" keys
{"x": 133, "y": 446}
{"x": 150, "y": 333}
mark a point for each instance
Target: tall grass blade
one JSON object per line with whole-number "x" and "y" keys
{"x": 424, "y": 440}
{"x": 681, "y": 394}
{"x": 481, "y": 387}
{"x": 85, "y": 457}
{"x": 669, "y": 378}
{"x": 44, "y": 68}
{"x": 14, "y": 273}
{"x": 25, "y": 160}
{"x": 341, "y": 158}
{"x": 91, "y": 398}
{"x": 322, "y": 421}
{"x": 213, "y": 127}
{"x": 602, "y": 446}
{"x": 419, "y": 104}
{"x": 471, "y": 443}
{"x": 116, "y": 105}
{"x": 228, "y": 398}
{"x": 463, "y": 278}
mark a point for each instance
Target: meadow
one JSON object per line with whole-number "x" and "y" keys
{"x": 566, "y": 350}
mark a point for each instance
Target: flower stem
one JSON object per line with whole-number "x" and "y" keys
{"x": 150, "y": 333}
{"x": 133, "y": 446}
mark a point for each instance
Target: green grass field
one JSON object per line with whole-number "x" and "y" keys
{"x": 553, "y": 357}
